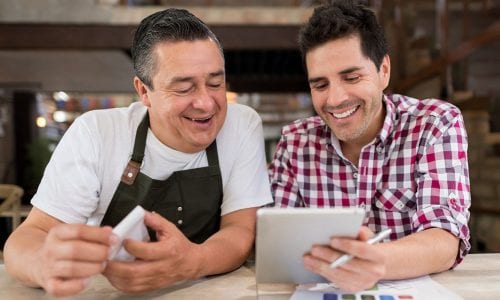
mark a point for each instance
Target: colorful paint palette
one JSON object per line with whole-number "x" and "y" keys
{"x": 362, "y": 296}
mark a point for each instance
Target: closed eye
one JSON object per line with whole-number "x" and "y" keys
{"x": 318, "y": 84}
{"x": 215, "y": 85}
{"x": 184, "y": 91}
{"x": 352, "y": 78}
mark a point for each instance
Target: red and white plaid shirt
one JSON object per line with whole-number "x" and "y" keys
{"x": 413, "y": 176}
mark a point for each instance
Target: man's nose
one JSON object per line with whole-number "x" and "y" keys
{"x": 203, "y": 100}
{"x": 337, "y": 95}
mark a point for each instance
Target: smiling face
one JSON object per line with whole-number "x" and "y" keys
{"x": 187, "y": 103}
{"x": 347, "y": 89}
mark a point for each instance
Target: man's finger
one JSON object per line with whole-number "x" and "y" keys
{"x": 157, "y": 222}
{"x": 353, "y": 247}
{"x": 325, "y": 253}
{"x": 72, "y": 269}
{"x": 82, "y": 232}
{"x": 81, "y": 251}
{"x": 365, "y": 233}
{"x": 66, "y": 287}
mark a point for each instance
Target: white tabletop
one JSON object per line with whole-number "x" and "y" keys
{"x": 478, "y": 277}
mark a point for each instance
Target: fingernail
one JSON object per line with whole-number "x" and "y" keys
{"x": 111, "y": 251}
{"x": 307, "y": 263}
{"x": 86, "y": 282}
{"x": 335, "y": 243}
{"x": 113, "y": 239}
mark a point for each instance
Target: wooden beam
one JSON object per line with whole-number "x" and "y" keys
{"x": 463, "y": 50}
{"x": 88, "y": 37}
{"x": 57, "y": 36}
{"x": 267, "y": 37}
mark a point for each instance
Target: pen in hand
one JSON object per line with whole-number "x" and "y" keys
{"x": 347, "y": 257}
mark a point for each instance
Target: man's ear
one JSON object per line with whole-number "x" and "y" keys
{"x": 385, "y": 71}
{"x": 142, "y": 90}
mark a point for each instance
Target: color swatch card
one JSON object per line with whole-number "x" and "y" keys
{"x": 421, "y": 288}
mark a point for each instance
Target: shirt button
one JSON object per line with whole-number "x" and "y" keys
{"x": 355, "y": 175}
{"x": 130, "y": 174}
{"x": 362, "y": 205}
{"x": 179, "y": 222}
{"x": 379, "y": 149}
{"x": 399, "y": 205}
{"x": 179, "y": 208}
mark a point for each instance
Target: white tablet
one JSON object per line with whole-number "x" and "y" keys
{"x": 285, "y": 234}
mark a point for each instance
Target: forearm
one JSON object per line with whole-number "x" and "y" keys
{"x": 21, "y": 254}
{"x": 229, "y": 247}
{"x": 426, "y": 252}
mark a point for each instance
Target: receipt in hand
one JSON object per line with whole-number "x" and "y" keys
{"x": 131, "y": 227}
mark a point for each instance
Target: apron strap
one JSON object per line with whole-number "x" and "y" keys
{"x": 212, "y": 157}
{"x": 140, "y": 140}
{"x": 213, "y": 161}
{"x": 134, "y": 165}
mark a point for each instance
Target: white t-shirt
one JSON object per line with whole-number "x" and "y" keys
{"x": 86, "y": 167}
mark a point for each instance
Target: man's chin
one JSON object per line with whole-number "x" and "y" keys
{"x": 202, "y": 144}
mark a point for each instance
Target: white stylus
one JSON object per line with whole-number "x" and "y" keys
{"x": 347, "y": 257}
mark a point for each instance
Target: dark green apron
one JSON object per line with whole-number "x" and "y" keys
{"x": 191, "y": 199}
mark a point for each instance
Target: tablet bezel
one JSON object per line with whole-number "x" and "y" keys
{"x": 285, "y": 234}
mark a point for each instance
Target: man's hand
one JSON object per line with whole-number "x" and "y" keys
{"x": 366, "y": 268}
{"x": 158, "y": 264}
{"x": 70, "y": 255}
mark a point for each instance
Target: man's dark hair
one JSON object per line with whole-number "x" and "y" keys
{"x": 340, "y": 19}
{"x": 169, "y": 25}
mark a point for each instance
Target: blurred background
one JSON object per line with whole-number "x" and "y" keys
{"x": 61, "y": 58}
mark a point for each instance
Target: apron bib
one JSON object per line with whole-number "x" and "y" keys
{"x": 191, "y": 199}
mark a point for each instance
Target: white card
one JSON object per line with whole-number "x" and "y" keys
{"x": 131, "y": 227}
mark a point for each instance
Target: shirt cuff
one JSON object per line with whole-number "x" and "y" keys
{"x": 455, "y": 222}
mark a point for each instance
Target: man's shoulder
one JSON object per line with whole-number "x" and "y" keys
{"x": 240, "y": 110}
{"x": 304, "y": 126}
{"x": 109, "y": 126}
{"x": 111, "y": 116}
{"x": 239, "y": 118}
{"x": 240, "y": 123}
{"x": 430, "y": 107}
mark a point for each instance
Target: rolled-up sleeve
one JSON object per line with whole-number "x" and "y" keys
{"x": 443, "y": 182}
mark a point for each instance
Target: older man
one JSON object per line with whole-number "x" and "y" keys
{"x": 181, "y": 152}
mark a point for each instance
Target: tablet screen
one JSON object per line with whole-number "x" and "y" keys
{"x": 285, "y": 234}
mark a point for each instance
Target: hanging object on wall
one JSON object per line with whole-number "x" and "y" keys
{"x": 3, "y": 119}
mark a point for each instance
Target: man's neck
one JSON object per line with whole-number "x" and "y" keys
{"x": 351, "y": 151}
